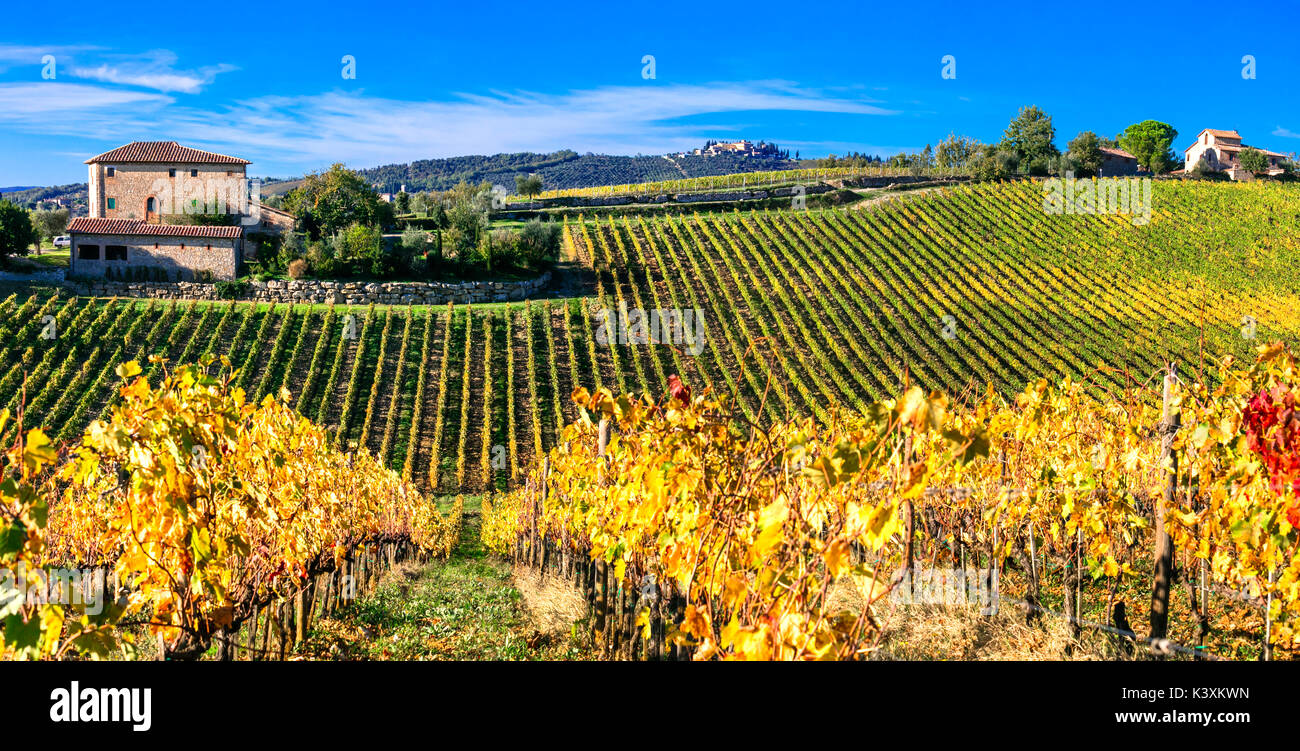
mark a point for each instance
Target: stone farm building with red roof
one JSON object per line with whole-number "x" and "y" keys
{"x": 156, "y": 213}
{"x": 1218, "y": 150}
{"x": 1117, "y": 162}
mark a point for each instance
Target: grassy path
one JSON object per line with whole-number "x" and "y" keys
{"x": 465, "y": 608}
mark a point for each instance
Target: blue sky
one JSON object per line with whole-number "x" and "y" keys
{"x": 437, "y": 80}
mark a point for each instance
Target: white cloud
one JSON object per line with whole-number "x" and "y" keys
{"x": 154, "y": 70}
{"x": 291, "y": 134}
{"x": 1284, "y": 133}
{"x": 55, "y": 103}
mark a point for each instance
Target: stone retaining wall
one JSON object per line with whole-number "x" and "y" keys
{"x": 303, "y": 291}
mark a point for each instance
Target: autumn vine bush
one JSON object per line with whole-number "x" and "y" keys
{"x": 36, "y": 630}
{"x": 206, "y": 506}
{"x": 1244, "y": 454}
{"x": 755, "y": 528}
{"x": 748, "y": 525}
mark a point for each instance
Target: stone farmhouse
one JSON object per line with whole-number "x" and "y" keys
{"x": 1117, "y": 162}
{"x": 1219, "y": 149}
{"x": 166, "y": 212}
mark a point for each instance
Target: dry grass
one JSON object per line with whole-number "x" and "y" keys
{"x": 553, "y": 604}
{"x": 946, "y": 632}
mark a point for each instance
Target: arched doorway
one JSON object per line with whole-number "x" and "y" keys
{"x": 151, "y": 210}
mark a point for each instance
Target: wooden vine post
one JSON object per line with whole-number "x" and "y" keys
{"x": 601, "y": 585}
{"x": 909, "y": 525}
{"x": 1164, "y": 546}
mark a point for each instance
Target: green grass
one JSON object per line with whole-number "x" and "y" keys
{"x": 464, "y": 608}
{"x": 59, "y": 258}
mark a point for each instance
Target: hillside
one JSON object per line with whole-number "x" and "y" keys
{"x": 957, "y": 288}
{"x": 73, "y": 194}
{"x": 559, "y": 170}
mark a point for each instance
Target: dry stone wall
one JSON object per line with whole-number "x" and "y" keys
{"x": 303, "y": 291}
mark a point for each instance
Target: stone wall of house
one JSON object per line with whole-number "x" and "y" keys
{"x": 133, "y": 184}
{"x": 173, "y": 255}
{"x": 303, "y": 291}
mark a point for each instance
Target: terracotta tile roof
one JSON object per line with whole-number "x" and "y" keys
{"x": 163, "y": 151}
{"x": 1222, "y": 133}
{"x": 97, "y": 226}
{"x": 1117, "y": 152}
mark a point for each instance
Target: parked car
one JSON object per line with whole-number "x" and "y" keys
{"x": 63, "y": 241}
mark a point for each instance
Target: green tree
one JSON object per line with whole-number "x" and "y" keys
{"x": 403, "y": 202}
{"x": 539, "y": 242}
{"x": 50, "y": 224}
{"x": 993, "y": 163}
{"x": 465, "y": 221}
{"x": 1085, "y": 154}
{"x": 1029, "y": 138}
{"x": 955, "y": 152}
{"x": 16, "y": 231}
{"x": 364, "y": 246}
{"x": 1253, "y": 160}
{"x": 1149, "y": 141}
{"x": 330, "y": 201}
{"x": 322, "y": 258}
{"x": 528, "y": 185}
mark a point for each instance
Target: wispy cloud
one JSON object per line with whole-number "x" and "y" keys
{"x": 314, "y": 130}
{"x": 35, "y": 104}
{"x": 155, "y": 70}
{"x": 1285, "y": 133}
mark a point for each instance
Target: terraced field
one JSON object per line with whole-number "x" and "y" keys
{"x": 803, "y": 310}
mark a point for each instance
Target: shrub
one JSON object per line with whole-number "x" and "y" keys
{"x": 297, "y": 268}
{"x": 322, "y": 258}
{"x": 362, "y": 243}
{"x": 294, "y": 246}
{"x": 231, "y": 290}
{"x": 539, "y": 242}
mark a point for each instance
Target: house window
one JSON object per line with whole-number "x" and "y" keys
{"x": 171, "y": 172}
{"x": 114, "y": 252}
{"x": 230, "y": 173}
{"x": 111, "y": 171}
{"x": 194, "y": 173}
{"x": 112, "y": 203}
{"x": 88, "y": 252}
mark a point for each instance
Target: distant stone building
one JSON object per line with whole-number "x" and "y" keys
{"x": 159, "y": 209}
{"x": 1117, "y": 162}
{"x": 1219, "y": 150}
